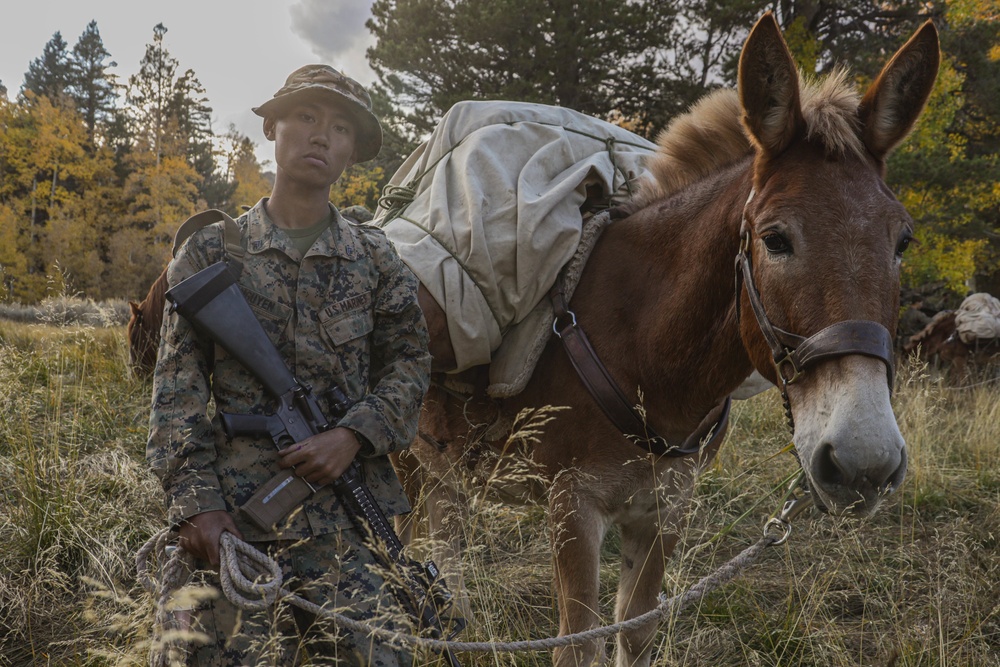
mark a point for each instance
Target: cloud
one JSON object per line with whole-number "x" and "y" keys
{"x": 336, "y": 33}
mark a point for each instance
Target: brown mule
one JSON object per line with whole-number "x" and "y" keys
{"x": 799, "y": 168}
{"x": 940, "y": 345}
{"x": 143, "y": 328}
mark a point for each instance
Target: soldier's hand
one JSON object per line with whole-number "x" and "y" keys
{"x": 322, "y": 458}
{"x": 200, "y": 534}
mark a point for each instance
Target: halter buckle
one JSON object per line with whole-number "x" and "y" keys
{"x": 790, "y": 361}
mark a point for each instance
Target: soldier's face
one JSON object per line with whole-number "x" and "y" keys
{"x": 313, "y": 142}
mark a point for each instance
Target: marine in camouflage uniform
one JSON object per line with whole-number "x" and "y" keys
{"x": 341, "y": 308}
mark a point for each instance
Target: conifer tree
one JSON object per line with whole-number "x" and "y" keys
{"x": 588, "y": 56}
{"x": 149, "y": 94}
{"x": 49, "y": 74}
{"x": 171, "y": 116}
{"x": 92, "y": 86}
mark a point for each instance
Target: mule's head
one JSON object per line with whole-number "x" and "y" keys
{"x": 142, "y": 339}
{"x": 826, "y": 237}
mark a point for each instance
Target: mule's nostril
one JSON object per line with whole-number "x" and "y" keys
{"x": 827, "y": 469}
{"x": 897, "y": 475}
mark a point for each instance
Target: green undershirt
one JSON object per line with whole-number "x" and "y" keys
{"x": 303, "y": 239}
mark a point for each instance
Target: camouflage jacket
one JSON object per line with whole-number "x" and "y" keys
{"x": 346, "y": 313}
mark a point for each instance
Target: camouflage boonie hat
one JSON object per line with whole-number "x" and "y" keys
{"x": 323, "y": 79}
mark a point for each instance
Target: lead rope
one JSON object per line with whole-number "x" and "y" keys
{"x": 243, "y": 566}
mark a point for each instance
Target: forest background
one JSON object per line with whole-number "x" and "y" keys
{"x": 97, "y": 173}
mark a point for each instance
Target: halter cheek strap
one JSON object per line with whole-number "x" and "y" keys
{"x": 792, "y": 354}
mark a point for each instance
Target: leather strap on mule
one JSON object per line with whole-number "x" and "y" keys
{"x": 793, "y": 354}
{"x": 609, "y": 396}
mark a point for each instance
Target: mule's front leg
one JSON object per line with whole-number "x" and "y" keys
{"x": 644, "y": 552}
{"x": 442, "y": 506}
{"x": 577, "y": 529}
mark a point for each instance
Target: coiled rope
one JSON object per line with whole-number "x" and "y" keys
{"x": 242, "y": 566}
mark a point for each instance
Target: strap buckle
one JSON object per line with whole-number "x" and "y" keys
{"x": 789, "y": 360}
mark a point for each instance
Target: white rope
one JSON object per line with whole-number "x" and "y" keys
{"x": 165, "y": 650}
{"x": 243, "y": 566}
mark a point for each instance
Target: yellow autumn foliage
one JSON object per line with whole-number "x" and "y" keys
{"x": 359, "y": 186}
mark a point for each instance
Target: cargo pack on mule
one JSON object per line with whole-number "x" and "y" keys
{"x": 960, "y": 339}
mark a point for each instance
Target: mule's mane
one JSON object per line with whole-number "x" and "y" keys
{"x": 711, "y": 135}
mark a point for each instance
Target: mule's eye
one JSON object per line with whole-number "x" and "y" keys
{"x": 776, "y": 243}
{"x": 904, "y": 243}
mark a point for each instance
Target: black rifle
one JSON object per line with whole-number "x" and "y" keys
{"x": 214, "y": 305}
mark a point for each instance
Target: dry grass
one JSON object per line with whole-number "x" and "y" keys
{"x": 918, "y": 584}
{"x": 76, "y": 500}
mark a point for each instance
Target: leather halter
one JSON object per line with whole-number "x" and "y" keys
{"x": 612, "y": 401}
{"x": 793, "y": 355}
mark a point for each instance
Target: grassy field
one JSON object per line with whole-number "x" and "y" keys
{"x": 918, "y": 584}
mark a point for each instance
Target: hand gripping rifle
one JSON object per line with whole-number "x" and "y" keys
{"x": 214, "y": 305}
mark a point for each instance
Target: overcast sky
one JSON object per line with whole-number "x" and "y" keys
{"x": 241, "y": 50}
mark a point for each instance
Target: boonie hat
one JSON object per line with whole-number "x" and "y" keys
{"x": 323, "y": 79}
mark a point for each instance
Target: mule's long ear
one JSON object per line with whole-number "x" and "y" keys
{"x": 893, "y": 103}
{"x": 769, "y": 88}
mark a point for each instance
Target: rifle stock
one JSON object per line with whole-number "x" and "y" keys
{"x": 212, "y": 302}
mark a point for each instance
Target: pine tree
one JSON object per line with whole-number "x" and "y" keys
{"x": 149, "y": 94}
{"x": 171, "y": 116}
{"x": 92, "y": 87}
{"x": 592, "y": 57}
{"x": 49, "y": 74}
{"x": 189, "y": 106}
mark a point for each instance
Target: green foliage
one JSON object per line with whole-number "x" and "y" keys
{"x": 942, "y": 259}
{"x": 947, "y": 173}
{"x": 803, "y": 44}
{"x": 592, "y": 57}
{"x": 92, "y": 86}
{"x": 49, "y": 74}
{"x": 359, "y": 186}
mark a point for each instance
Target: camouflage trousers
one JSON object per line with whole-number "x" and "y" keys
{"x": 336, "y": 571}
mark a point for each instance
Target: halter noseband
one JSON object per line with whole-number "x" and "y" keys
{"x": 793, "y": 354}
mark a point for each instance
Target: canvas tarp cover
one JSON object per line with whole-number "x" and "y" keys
{"x": 490, "y": 209}
{"x": 978, "y": 317}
